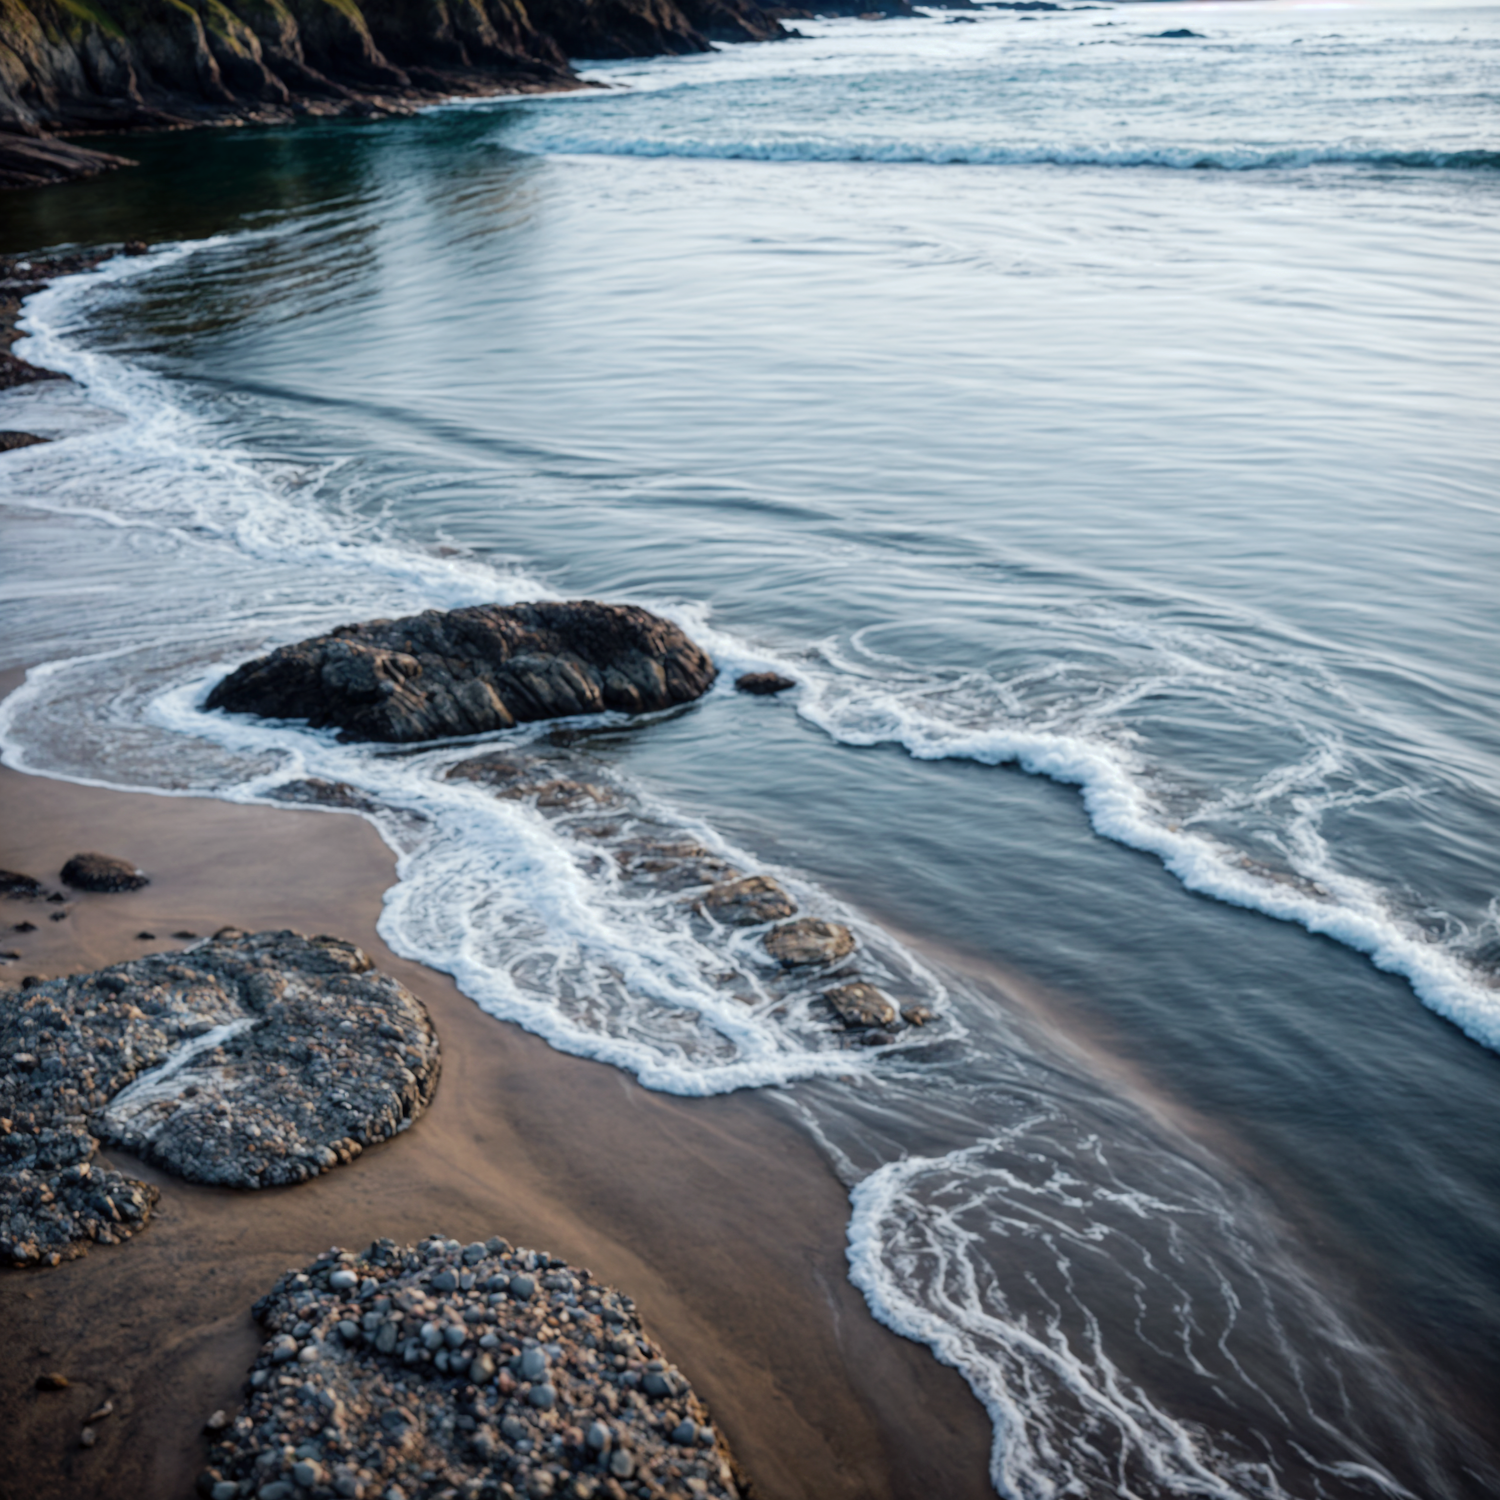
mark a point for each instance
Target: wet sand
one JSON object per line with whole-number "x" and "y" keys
{"x": 717, "y": 1215}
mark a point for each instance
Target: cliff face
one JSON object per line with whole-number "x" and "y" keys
{"x": 75, "y": 65}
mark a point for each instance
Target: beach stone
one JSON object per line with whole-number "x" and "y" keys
{"x": 12, "y": 883}
{"x": 9, "y": 442}
{"x": 473, "y": 671}
{"x": 809, "y": 940}
{"x": 343, "y": 1280}
{"x": 860, "y": 1004}
{"x": 917, "y": 1015}
{"x": 267, "y": 1083}
{"x": 748, "y": 901}
{"x": 101, "y": 872}
{"x": 763, "y": 684}
{"x": 52, "y": 1381}
{"x": 393, "y": 1428}
{"x": 523, "y": 1287}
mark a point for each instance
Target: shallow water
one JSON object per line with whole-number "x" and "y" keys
{"x": 1047, "y": 397}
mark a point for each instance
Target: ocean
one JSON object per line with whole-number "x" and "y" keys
{"x": 1100, "y": 426}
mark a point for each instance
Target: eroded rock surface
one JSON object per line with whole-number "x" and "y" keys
{"x": 860, "y": 1004}
{"x": 102, "y": 872}
{"x": 249, "y": 1061}
{"x": 748, "y": 901}
{"x": 473, "y": 671}
{"x": 479, "y": 1371}
{"x": 809, "y": 940}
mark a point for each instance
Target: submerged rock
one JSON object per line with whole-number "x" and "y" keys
{"x": 247, "y": 1062}
{"x": 9, "y": 441}
{"x": 422, "y": 1371}
{"x": 102, "y": 872}
{"x": 809, "y": 940}
{"x": 762, "y": 684}
{"x": 313, "y": 791}
{"x": 860, "y": 1004}
{"x": 472, "y": 671}
{"x": 748, "y": 901}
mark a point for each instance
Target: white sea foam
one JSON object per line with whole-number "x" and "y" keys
{"x": 1185, "y": 156}
{"x": 1118, "y": 796}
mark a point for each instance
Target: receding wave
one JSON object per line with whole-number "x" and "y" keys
{"x": 1219, "y": 157}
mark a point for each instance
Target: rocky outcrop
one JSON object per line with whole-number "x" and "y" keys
{"x": 473, "y": 671}
{"x": 102, "y": 872}
{"x": 128, "y": 64}
{"x": 26, "y": 162}
{"x": 249, "y": 1061}
{"x": 443, "y": 1369}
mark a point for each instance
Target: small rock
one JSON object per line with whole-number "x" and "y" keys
{"x": 621, "y": 1464}
{"x": 860, "y": 1004}
{"x": 917, "y": 1015}
{"x": 87, "y": 1438}
{"x": 135, "y": 247}
{"x": 1181, "y": 31}
{"x": 225, "y": 1489}
{"x": 145, "y": 937}
{"x": 809, "y": 940}
{"x": 533, "y": 1364}
{"x": 523, "y": 1287}
{"x": 14, "y": 884}
{"x": 52, "y": 1381}
{"x": 343, "y": 1280}
{"x": 763, "y": 684}
{"x": 745, "y": 902}
{"x": 24, "y": 927}
{"x": 283, "y": 1348}
{"x": 217, "y": 1423}
{"x": 307, "y": 1473}
{"x": 685, "y": 1434}
{"x": 100, "y": 1412}
{"x": 598, "y": 1437}
{"x": 101, "y": 872}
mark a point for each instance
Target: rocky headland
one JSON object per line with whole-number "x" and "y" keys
{"x": 247, "y": 1061}
{"x": 442, "y": 1370}
{"x": 473, "y": 671}
{"x": 112, "y": 65}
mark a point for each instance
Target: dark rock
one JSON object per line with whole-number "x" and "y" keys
{"x": 9, "y": 954}
{"x": 472, "y": 671}
{"x": 288, "y": 1056}
{"x": 1181, "y": 31}
{"x": 749, "y": 900}
{"x": 135, "y": 247}
{"x": 809, "y": 940}
{"x": 763, "y": 684}
{"x": 860, "y": 1004}
{"x": 12, "y": 884}
{"x": 24, "y": 927}
{"x": 146, "y": 937}
{"x": 100, "y": 872}
{"x": 318, "y": 793}
{"x": 917, "y": 1015}
{"x": 52, "y": 1381}
{"x": 26, "y": 161}
{"x": 59, "y": 916}
{"x": 12, "y": 440}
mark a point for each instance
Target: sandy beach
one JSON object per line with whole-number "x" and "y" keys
{"x": 717, "y": 1215}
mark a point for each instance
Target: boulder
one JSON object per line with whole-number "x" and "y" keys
{"x": 102, "y": 872}
{"x": 12, "y": 440}
{"x": 748, "y": 901}
{"x": 473, "y": 671}
{"x": 809, "y": 940}
{"x": 763, "y": 684}
{"x": 14, "y": 884}
{"x": 859, "y": 1005}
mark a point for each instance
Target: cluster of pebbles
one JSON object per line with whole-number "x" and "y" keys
{"x": 246, "y": 1061}
{"x": 449, "y": 1372}
{"x": 651, "y": 857}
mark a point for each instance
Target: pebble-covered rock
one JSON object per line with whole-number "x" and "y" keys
{"x": 809, "y": 940}
{"x": 437, "y": 1377}
{"x": 748, "y": 901}
{"x": 103, "y": 872}
{"x": 248, "y": 1061}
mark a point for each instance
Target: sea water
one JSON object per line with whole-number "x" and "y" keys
{"x": 1100, "y": 427}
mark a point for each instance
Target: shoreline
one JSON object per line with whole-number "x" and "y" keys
{"x": 718, "y": 1215}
